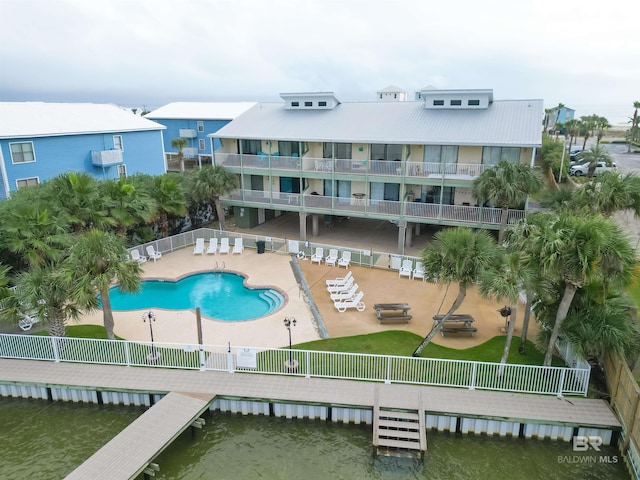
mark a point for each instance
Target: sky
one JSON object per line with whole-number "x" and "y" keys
{"x": 147, "y": 53}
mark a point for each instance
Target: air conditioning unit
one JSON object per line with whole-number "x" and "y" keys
{"x": 105, "y": 158}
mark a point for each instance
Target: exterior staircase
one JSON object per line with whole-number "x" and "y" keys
{"x": 398, "y": 432}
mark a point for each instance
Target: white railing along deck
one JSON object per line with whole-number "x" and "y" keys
{"x": 352, "y": 366}
{"x": 354, "y": 204}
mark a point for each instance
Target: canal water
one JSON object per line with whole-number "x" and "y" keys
{"x": 43, "y": 440}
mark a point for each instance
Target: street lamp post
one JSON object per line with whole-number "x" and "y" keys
{"x": 288, "y": 323}
{"x": 150, "y": 317}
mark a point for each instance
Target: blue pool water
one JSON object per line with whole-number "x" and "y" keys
{"x": 222, "y": 296}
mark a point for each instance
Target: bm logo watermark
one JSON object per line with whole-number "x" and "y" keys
{"x": 582, "y": 443}
{"x": 585, "y": 443}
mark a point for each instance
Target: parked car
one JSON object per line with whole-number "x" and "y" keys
{"x": 574, "y": 152}
{"x": 582, "y": 169}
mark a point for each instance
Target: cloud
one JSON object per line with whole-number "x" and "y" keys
{"x": 160, "y": 51}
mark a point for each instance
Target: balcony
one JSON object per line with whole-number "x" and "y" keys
{"x": 327, "y": 166}
{"x": 187, "y": 133}
{"x": 106, "y": 158}
{"x": 364, "y": 207}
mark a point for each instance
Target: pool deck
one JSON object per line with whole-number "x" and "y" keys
{"x": 275, "y": 270}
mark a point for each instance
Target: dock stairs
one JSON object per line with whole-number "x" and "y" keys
{"x": 399, "y": 433}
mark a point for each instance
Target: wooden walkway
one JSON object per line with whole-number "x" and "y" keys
{"x": 450, "y": 401}
{"x": 129, "y": 452}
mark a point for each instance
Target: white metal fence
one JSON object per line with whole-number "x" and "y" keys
{"x": 388, "y": 369}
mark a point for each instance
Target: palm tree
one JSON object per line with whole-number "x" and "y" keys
{"x": 534, "y": 282}
{"x": 505, "y": 280}
{"x": 633, "y": 132}
{"x": 598, "y": 326}
{"x": 507, "y": 185}
{"x": 594, "y": 155}
{"x": 457, "y": 255}
{"x": 210, "y": 183}
{"x": 608, "y": 194}
{"x": 576, "y": 251}
{"x": 75, "y": 198}
{"x": 127, "y": 205}
{"x": 547, "y": 116}
{"x": 571, "y": 127}
{"x": 32, "y": 233}
{"x": 170, "y": 198}
{"x": 585, "y": 128}
{"x": 179, "y": 144}
{"x": 558, "y": 112}
{"x": 96, "y": 260}
{"x": 602, "y": 125}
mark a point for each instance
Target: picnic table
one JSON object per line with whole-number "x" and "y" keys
{"x": 392, "y": 312}
{"x": 457, "y": 323}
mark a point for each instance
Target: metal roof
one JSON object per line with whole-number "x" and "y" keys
{"x": 39, "y": 119}
{"x": 201, "y": 110}
{"x": 504, "y": 123}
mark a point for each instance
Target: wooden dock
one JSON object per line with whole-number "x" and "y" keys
{"x": 449, "y": 409}
{"x": 130, "y": 452}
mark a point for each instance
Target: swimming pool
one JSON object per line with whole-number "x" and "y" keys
{"x": 220, "y": 295}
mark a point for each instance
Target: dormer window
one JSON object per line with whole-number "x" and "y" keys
{"x": 308, "y": 104}
{"x": 295, "y": 104}
{"x": 455, "y": 103}
{"x": 438, "y": 103}
{"x": 473, "y": 103}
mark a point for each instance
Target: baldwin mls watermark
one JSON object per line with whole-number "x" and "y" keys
{"x": 587, "y": 443}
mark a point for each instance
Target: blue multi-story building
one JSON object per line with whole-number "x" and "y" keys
{"x": 41, "y": 140}
{"x": 558, "y": 116}
{"x": 194, "y": 121}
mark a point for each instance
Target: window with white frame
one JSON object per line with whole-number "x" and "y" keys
{"x": 200, "y": 126}
{"x": 201, "y": 144}
{"x": 22, "y": 152}
{"x": 122, "y": 171}
{"x": 27, "y": 182}
{"x": 117, "y": 143}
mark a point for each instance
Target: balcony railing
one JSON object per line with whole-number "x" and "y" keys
{"x": 363, "y": 206}
{"x": 460, "y": 171}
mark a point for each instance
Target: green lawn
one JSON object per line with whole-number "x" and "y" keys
{"x": 85, "y": 331}
{"x": 404, "y": 343}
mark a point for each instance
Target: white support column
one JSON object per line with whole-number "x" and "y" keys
{"x": 303, "y": 225}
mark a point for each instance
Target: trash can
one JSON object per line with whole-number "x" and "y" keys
{"x": 260, "y": 246}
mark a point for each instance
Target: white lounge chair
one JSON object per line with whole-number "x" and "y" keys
{"x": 406, "y": 269}
{"x": 135, "y": 256}
{"x": 213, "y": 246}
{"x": 153, "y": 254}
{"x": 224, "y": 245}
{"x": 356, "y": 302}
{"x": 348, "y": 295}
{"x": 199, "y": 247}
{"x": 318, "y": 256}
{"x": 419, "y": 272}
{"x": 339, "y": 281}
{"x": 341, "y": 288}
{"x": 332, "y": 258}
{"x": 345, "y": 260}
{"x": 27, "y": 321}
{"x": 237, "y": 245}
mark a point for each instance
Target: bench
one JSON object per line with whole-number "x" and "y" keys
{"x": 392, "y": 312}
{"x": 458, "y": 329}
{"x": 456, "y": 323}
